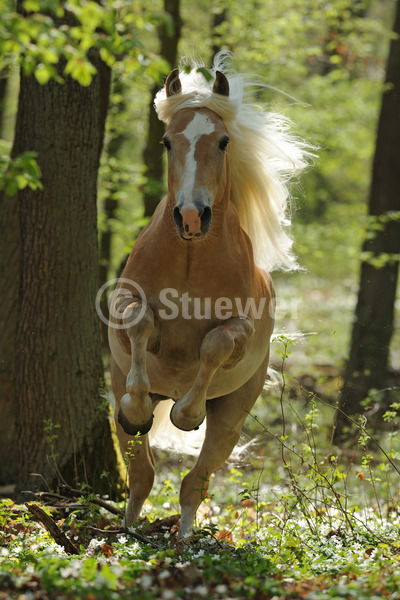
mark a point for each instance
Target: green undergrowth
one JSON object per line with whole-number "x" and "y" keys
{"x": 235, "y": 556}
{"x": 292, "y": 515}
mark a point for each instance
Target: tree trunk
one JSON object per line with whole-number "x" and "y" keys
{"x": 111, "y": 203}
{"x": 3, "y": 94}
{"x": 153, "y": 152}
{"x": 61, "y": 428}
{"x": 9, "y": 277}
{"x": 219, "y": 18}
{"x": 374, "y": 316}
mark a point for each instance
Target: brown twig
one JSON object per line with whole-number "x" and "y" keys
{"x": 70, "y": 492}
{"x": 124, "y": 530}
{"x": 59, "y": 537}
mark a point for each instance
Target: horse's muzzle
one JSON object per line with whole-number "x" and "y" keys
{"x": 192, "y": 220}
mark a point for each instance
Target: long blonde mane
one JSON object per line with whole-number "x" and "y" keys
{"x": 263, "y": 156}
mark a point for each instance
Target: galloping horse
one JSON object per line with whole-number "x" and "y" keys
{"x": 193, "y": 312}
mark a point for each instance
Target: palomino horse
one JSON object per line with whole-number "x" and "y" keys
{"x": 192, "y": 314}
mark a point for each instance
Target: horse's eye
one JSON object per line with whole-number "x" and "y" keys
{"x": 223, "y": 143}
{"x": 166, "y": 143}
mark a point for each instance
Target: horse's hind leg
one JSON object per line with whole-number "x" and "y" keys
{"x": 225, "y": 418}
{"x": 136, "y": 451}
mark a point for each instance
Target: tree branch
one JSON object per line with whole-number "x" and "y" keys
{"x": 59, "y": 537}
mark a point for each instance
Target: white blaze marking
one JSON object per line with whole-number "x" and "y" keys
{"x": 198, "y": 126}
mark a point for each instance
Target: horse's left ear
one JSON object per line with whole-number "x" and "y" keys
{"x": 221, "y": 84}
{"x": 173, "y": 84}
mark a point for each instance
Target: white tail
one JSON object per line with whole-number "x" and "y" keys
{"x": 166, "y": 436}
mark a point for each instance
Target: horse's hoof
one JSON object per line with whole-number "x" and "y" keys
{"x": 188, "y": 426}
{"x": 131, "y": 429}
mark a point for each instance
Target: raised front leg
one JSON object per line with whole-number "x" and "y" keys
{"x": 136, "y": 409}
{"x": 222, "y": 347}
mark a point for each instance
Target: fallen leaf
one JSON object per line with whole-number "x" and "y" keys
{"x": 225, "y": 535}
{"x": 107, "y": 550}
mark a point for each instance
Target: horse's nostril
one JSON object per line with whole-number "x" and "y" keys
{"x": 178, "y": 217}
{"x": 206, "y": 217}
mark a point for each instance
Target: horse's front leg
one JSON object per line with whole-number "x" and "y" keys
{"x": 137, "y": 454}
{"x": 136, "y": 408}
{"x": 224, "y": 347}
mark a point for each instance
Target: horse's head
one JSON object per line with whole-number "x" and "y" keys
{"x": 196, "y": 141}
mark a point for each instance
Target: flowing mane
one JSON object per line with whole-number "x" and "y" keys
{"x": 263, "y": 156}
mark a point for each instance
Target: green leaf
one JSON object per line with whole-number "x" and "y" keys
{"x": 91, "y": 16}
{"x": 81, "y": 70}
{"x": 31, "y": 5}
{"x": 206, "y": 73}
{"x": 43, "y": 73}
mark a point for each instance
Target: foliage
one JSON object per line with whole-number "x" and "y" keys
{"x": 49, "y": 30}
{"x": 18, "y": 173}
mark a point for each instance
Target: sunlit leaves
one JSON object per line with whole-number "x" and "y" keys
{"x": 18, "y": 173}
{"x": 43, "y": 73}
{"x": 81, "y": 70}
{"x": 53, "y": 7}
{"x": 157, "y": 68}
{"x": 50, "y": 30}
{"x": 92, "y": 15}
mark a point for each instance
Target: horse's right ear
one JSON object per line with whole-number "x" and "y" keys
{"x": 221, "y": 84}
{"x": 173, "y": 84}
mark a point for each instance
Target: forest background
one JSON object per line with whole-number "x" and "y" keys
{"x": 323, "y": 65}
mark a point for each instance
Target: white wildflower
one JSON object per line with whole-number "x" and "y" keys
{"x": 146, "y": 580}
{"x": 202, "y": 590}
{"x": 122, "y": 538}
{"x": 164, "y": 574}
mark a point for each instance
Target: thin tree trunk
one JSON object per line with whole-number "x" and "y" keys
{"x": 3, "y": 94}
{"x": 111, "y": 202}
{"x": 61, "y": 428}
{"x": 217, "y": 38}
{"x": 374, "y": 316}
{"x": 153, "y": 152}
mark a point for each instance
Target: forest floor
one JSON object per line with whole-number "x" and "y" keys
{"x": 292, "y": 516}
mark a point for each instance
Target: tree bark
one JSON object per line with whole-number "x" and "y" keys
{"x": 9, "y": 269}
{"x": 9, "y": 277}
{"x": 374, "y": 316}
{"x": 61, "y": 430}
{"x": 153, "y": 151}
